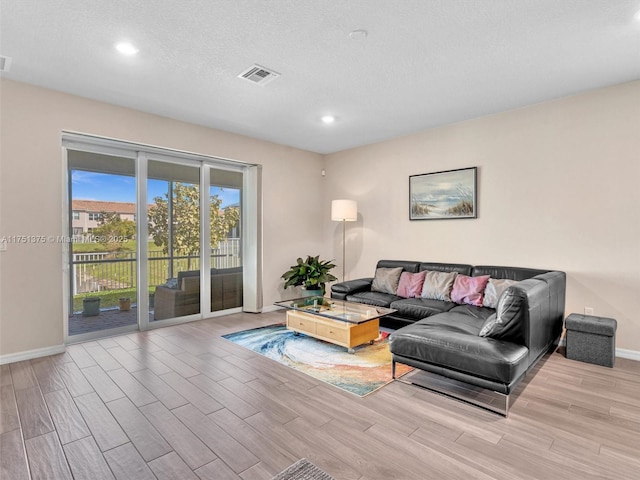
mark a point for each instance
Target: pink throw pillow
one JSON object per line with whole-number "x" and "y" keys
{"x": 469, "y": 290}
{"x": 410, "y": 284}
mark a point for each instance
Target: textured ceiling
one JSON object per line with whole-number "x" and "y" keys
{"x": 424, "y": 63}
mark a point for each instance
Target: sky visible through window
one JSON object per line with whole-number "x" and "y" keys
{"x": 121, "y": 188}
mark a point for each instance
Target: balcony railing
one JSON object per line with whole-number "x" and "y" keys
{"x": 95, "y": 272}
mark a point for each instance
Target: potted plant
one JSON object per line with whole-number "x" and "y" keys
{"x": 312, "y": 274}
{"x": 90, "y": 306}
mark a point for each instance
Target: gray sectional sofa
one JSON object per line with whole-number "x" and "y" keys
{"x": 472, "y": 351}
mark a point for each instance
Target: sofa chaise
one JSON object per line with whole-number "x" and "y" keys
{"x": 473, "y": 331}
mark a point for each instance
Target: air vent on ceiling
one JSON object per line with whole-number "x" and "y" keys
{"x": 5, "y": 63}
{"x": 259, "y": 75}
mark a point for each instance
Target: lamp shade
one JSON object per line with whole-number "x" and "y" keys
{"x": 346, "y": 210}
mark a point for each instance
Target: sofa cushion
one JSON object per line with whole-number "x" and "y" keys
{"x": 469, "y": 290}
{"x": 508, "y": 321}
{"x": 451, "y": 340}
{"x": 191, "y": 284}
{"x": 512, "y": 273}
{"x": 455, "y": 321}
{"x": 417, "y": 308}
{"x": 495, "y": 287}
{"x": 438, "y": 285}
{"x": 386, "y": 280}
{"x": 406, "y": 266}
{"x": 226, "y": 271}
{"x": 410, "y": 284}
{"x": 462, "y": 268}
{"x": 481, "y": 313}
{"x": 373, "y": 298}
{"x": 352, "y": 286}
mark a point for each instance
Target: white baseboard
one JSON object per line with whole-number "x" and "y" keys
{"x": 629, "y": 354}
{"x": 30, "y": 354}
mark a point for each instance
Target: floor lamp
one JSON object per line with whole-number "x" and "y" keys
{"x": 344, "y": 211}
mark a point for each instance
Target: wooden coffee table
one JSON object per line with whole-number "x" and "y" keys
{"x": 343, "y": 323}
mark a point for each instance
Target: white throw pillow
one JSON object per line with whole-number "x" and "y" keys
{"x": 438, "y": 285}
{"x": 494, "y": 289}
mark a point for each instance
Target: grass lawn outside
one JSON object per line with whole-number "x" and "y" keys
{"x": 114, "y": 276}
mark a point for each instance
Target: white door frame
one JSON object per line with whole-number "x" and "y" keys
{"x": 141, "y": 154}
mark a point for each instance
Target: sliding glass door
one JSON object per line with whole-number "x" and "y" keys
{"x": 147, "y": 247}
{"x": 225, "y": 238}
{"x": 102, "y": 243}
{"x": 173, "y": 193}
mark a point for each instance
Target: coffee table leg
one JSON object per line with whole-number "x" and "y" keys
{"x": 351, "y": 350}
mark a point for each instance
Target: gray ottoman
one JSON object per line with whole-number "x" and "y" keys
{"x": 591, "y": 339}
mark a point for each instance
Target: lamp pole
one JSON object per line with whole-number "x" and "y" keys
{"x": 344, "y": 248}
{"x": 344, "y": 211}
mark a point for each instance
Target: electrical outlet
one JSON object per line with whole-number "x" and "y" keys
{"x": 588, "y": 310}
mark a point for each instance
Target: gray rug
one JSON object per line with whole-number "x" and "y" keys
{"x": 303, "y": 470}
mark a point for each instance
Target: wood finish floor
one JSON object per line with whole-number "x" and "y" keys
{"x": 182, "y": 403}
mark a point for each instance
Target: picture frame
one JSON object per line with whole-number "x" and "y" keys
{"x": 446, "y": 195}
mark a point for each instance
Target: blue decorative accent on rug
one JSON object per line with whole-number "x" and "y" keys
{"x": 361, "y": 373}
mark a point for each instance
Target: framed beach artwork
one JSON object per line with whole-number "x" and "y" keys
{"x": 443, "y": 195}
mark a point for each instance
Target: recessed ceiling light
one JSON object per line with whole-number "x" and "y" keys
{"x": 328, "y": 119}
{"x": 126, "y": 48}
{"x": 358, "y": 34}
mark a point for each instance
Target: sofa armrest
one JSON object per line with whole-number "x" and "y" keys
{"x": 341, "y": 290}
{"x": 557, "y": 283}
{"x": 542, "y": 324}
{"x": 171, "y": 303}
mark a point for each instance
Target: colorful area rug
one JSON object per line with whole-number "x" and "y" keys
{"x": 360, "y": 373}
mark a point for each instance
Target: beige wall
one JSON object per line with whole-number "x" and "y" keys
{"x": 31, "y": 198}
{"x": 557, "y": 188}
